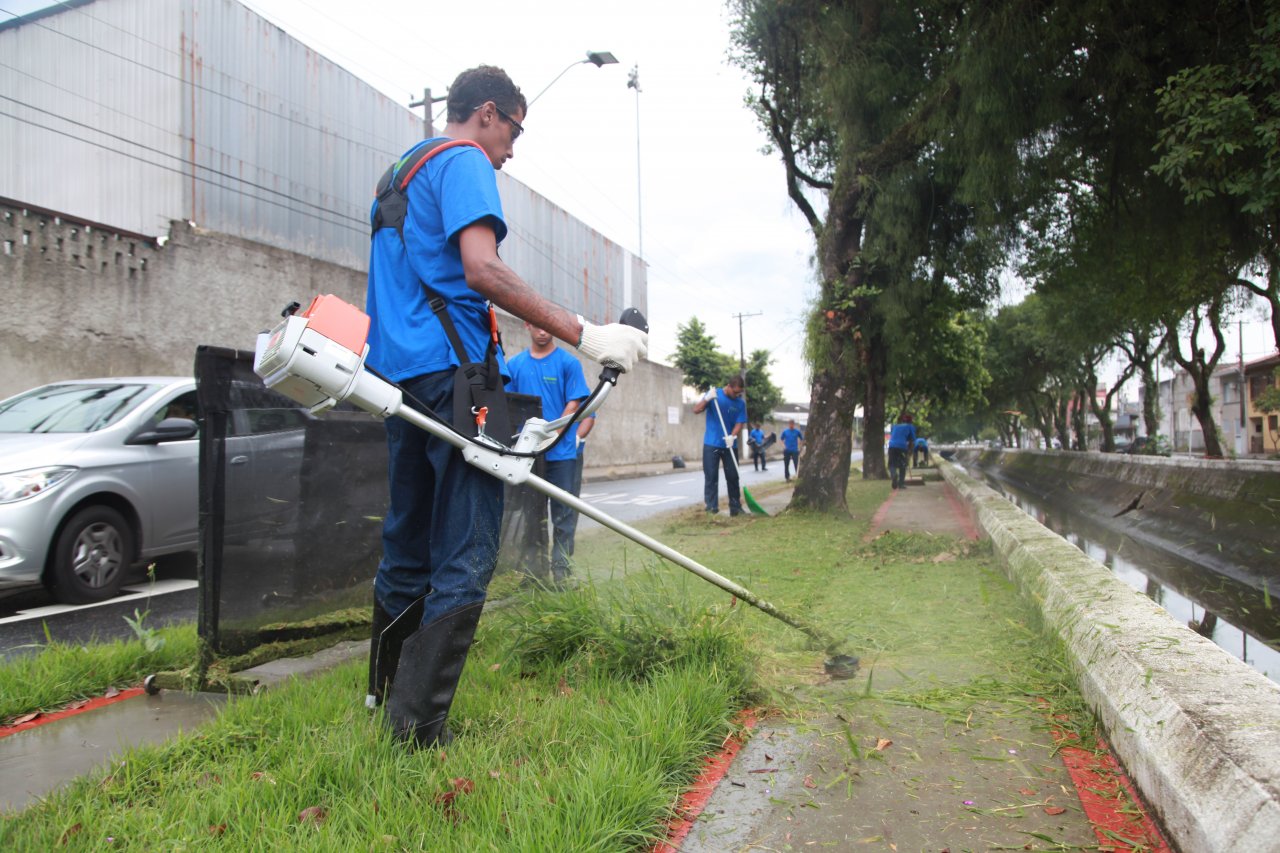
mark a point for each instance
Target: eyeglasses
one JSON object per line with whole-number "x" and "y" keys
{"x": 516, "y": 127}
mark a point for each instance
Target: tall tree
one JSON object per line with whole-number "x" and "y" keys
{"x": 763, "y": 397}
{"x": 703, "y": 365}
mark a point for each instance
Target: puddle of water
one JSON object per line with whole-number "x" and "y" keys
{"x": 1237, "y": 617}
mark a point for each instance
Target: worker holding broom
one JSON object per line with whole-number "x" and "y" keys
{"x": 726, "y": 413}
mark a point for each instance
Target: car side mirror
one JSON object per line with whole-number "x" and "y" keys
{"x": 169, "y": 429}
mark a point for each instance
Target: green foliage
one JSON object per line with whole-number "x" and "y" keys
{"x": 763, "y": 397}
{"x": 703, "y": 365}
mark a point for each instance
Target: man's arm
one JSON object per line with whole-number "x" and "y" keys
{"x": 701, "y": 406}
{"x": 488, "y": 276}
{"x": 585, "y": 426}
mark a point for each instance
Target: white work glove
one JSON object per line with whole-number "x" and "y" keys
{"x": 709, "y": 396}
{"x": 729, "y": 441}
{"x": 614, "y": 345}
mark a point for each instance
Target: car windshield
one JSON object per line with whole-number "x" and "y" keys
{"x": 70, "y": 407}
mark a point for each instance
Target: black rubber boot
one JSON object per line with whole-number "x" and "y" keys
{"x": 384, "y": 647}
{"x": 431, "y": 663}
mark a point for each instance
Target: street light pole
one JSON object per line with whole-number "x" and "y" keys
{"x": 633, "y": 82}
{"x": 597, "y": 58}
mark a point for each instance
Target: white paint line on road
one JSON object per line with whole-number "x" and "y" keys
{"x": 134, "y": 592}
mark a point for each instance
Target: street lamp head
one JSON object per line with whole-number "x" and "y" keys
{"x": 601, "y": 57}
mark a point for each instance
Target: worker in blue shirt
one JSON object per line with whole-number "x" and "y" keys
{"x": 755, "y": 438}
{"x": 726, "y": 413}
{"x": 901, "y": 439}
{"x": 792, "y": 438}
{"x": 921, "y": 449}
{"x": 544, "y": 370}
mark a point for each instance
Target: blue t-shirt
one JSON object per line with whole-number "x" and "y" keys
{"x": 901, "y": 436}
{"x": 922, "y": 444}
{"x": 791, "y": 439}
{"x": 557, "y": 378}
{"x": 452, "y": 190}
{"x": 757, "y": 435}
{"x": 731, "y": 410}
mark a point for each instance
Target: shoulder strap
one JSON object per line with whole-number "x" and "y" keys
{"x": 392, "y": 195}
{"x": 390, "y": 212}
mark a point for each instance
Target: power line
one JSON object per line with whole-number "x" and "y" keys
{"x": 220, "y": 94}
{"x": 185, "y": 173}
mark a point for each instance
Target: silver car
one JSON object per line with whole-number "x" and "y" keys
{"x": 96, "y": 475}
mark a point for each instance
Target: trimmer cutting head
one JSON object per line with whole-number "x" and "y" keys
{"x": 841, "y": 666}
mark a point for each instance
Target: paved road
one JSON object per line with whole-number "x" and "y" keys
{"x": 172, "y": 598}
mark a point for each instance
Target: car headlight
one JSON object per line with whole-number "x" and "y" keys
{"x": 20, "y": 485}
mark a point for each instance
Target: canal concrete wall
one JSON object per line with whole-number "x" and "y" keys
{"x": 1197, "y": 730}
{"x": 1223, "y": 515}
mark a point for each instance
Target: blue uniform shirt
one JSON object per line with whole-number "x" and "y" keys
{"x": 452, "y": 190}
{"x": 902, "y": 436}
{"x": 757, "y": 435}
{"x": 557, "y": 378}
{"x": 731, "y": 410}
{"x": 791, "y": 439}
{"x": 922, "y": 444}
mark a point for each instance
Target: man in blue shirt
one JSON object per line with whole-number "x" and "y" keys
{"x": 549, "y": 372}
{"x": 791, "y": 440}
{"x": 440, "y": 534}
{"x": 921, "y": 449}
{"x": 726, "y": 413}
{"x": 901, "y": 439}
{"x": 755, "y": 438}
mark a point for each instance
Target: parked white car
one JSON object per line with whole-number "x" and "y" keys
{"x": 96, "y": 475}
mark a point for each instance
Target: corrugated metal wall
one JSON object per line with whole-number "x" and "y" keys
{"x": 133, "y": 113}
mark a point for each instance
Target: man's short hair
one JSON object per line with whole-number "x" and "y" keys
{"x": 735, "y": 381}
{"x": 483, "y": 83}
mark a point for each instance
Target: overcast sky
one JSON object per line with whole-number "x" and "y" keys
{"x": 720, "y": 235}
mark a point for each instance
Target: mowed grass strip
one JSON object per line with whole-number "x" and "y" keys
{"x": 579, "y": 720}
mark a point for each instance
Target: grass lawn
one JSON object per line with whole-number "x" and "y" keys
{"x": 582, "y": 715}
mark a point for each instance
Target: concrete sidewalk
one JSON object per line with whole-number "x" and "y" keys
{"x": 921, "y": 783}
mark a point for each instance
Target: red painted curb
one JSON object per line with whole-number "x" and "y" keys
{"x": 1108, "y": 798}
{"x": 75, "y": 708}
{"x": 877, "y": 520}
{"x": 1102, "y": 787}
{"x": 694, "y": 800}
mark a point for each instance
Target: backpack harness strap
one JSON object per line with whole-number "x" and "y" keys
{"x": 390, "y": 212}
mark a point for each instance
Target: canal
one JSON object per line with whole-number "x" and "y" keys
{"x": 1237, "y": 616}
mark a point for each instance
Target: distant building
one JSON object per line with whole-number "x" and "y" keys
{"x": 1263, "y": 428}
{"x": 1183, "y": 429}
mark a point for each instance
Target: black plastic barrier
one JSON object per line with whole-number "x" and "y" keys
{"x": 291, "y": 508}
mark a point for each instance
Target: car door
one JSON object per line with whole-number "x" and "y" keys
{"x": 173, "y": 495}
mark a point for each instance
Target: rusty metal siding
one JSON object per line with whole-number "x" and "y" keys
{"x": 201, "y": 110}
{"x": 87, "y": 100}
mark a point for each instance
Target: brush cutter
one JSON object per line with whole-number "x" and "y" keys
{"x": 317, "y": 358}
{"x": 746, "y": 495}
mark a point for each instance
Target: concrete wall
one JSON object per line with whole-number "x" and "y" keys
{"x": 1197, "y": 730}
{"x": 84, "y": 301}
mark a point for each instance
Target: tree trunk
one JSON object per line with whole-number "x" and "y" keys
{"x": 874, "y": 368}
{"x": 1150, "y": 400}
{"x": 1201, "y": 407}
{"x": 828, "y": 445}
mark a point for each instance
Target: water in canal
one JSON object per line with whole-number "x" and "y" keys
{"x": 1239, "y": 617}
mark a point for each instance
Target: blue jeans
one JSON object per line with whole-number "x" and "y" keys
{"x": 789, "y": 458}
{"x": 712, "y": 458}
{"x": 564, "y": 521}
{"x": 441, "y": 531}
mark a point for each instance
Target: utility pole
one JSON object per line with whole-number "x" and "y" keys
{"x": 742, "y": 351}
{"x": 428, "y": 126}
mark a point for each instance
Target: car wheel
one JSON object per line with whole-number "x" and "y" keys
{"x": 92, "y": 555}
